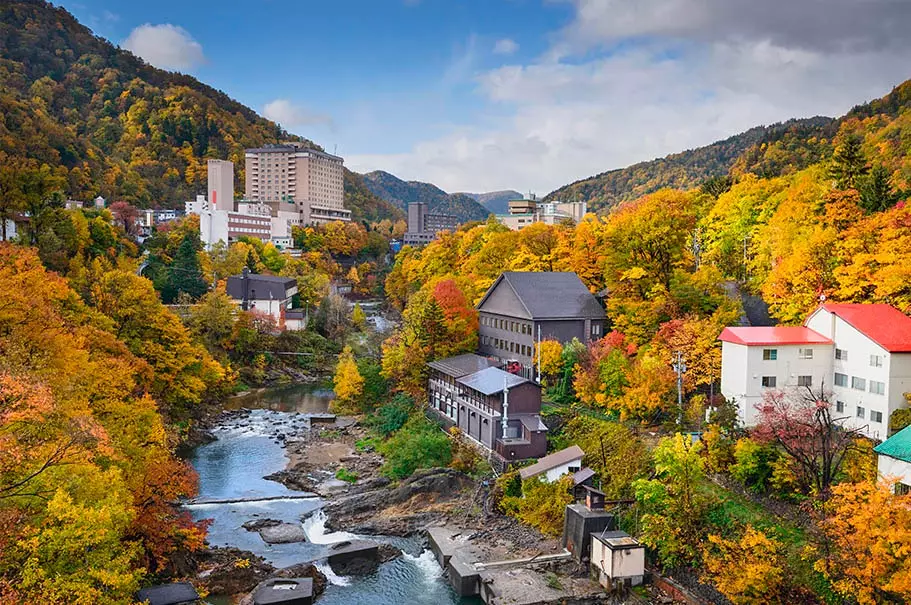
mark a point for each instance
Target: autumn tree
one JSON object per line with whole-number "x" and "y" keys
{"x": 349, "y": 384}
{"x": 673, "y": 507}
{"x": 869, "y": 529}
{"x": 617, "y": 455}
{"x": 549, "y": 354}
{"x": 358, "y": 318}
{"x": 804, "y": 424}
{"x": 749, "y": 570}
{"x": 126, "y": 215}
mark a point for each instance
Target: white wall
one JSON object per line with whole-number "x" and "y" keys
{"x": 619, "y": 563}
{"x": 895, "y": 373}
{"x": 743, "y": 368}
{"x": 896, "y": 470}
{"x": 557, "y": 472}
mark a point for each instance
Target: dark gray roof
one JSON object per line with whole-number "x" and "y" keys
{"x": 262, "y": 285}
{"x": 168, "y": 594}
{"x": 491, "y": 380}
{"x": 552, "y": 461}
{"x": 462, "y": 365}
{"x": 550, "y": 295}
{"x": 533, "y": 422}
{"x": 583, "y": 475}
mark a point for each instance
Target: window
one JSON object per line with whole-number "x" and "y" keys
{"x": 876, "y": 416}
{"x": 858, "y": 383}
{"x": 841, "y": 354}
{"x": 769, "y": 381}
{"x": 877, "y": 388}
{"x": 840, "y": 407}
{"x": 804, "y": 381}
{"x": 805, "y": 354}
{"x": 902, "y": 490}
{"x": 841, "y": 380}
{"x": 876, "y": 361}
{"x": 769, "y": 354}
{"x": 596, "y": 329}
{"x": 860, "y": 412}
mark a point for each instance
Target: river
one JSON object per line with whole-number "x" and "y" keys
{"x": 233, "y": 467}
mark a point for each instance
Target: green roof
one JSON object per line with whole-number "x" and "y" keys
{"x": 897, "y": 446}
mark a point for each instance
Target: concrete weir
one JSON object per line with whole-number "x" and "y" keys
{"x": 511, "y": 581}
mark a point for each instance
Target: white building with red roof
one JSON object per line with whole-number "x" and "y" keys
{"x": 859, "y": 352}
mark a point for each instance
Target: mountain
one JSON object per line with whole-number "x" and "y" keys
{"x": 109, "y": 124}
{"x": 496, "y": 201}
{"x": 401, "y": 193}
{"x": 690, "y": 168}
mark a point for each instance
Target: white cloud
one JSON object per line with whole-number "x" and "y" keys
{"x": 166, "y": 46}
{"x": 653, "y": 77}
{"x": 290, "y": 115}
{"x": 506, "y": 46}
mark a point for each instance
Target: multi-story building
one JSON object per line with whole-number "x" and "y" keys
{"x": 528, "y": 211}
{"x": 520, "y": 309}
{"x": 221, "y": 184}
{"x": 423, "y": 227}
{"x": 293, "y": 176}
{"x": 498, "y": 410}
{"x": 859, "y": 352}
{"x": 215, "y": 225}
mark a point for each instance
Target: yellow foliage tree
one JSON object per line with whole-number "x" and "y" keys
{"x": 349, "y": 384}
{"x": 550, "y": 355}
{"x": 869, "y": 529}
{"x": 748, "y": 570}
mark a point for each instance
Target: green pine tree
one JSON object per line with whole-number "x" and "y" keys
{"x": 876, "y": 193}
{"x": 185, "y": 272}
{"x": 849, "y": 165}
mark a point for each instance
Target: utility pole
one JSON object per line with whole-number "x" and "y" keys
{"x": 505, "y": 406}
{"x": 679, "y": 366}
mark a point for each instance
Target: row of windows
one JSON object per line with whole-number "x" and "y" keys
{"x": 860, "y": 412}
{"x": 860, "y": 384}
{"x": 504, "y": 324}
{"x": 876, "y": 361}
{"x": 770, "y": 382}
{"x": 507, "y": 346}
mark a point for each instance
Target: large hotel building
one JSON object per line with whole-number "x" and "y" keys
{"x": 292, "y": 177}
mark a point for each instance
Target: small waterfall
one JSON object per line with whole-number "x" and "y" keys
{"x": 427, "y": 565}
{"x": 315, "y": 529}
{"x": 332, "y": 577}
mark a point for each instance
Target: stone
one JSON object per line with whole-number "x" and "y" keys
{"x": 259, "y": 524}
{"x": 283, "y": 533}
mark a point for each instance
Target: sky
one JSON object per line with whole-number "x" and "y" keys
{"x": 484, "y": 95}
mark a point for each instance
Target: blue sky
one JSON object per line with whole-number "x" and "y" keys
{"x": 525, "y": 94}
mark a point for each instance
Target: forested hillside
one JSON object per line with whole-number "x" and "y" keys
{"x": 108, "y": 124}
{"x": 690, "y": 168}
{"x": 401, "y": 193}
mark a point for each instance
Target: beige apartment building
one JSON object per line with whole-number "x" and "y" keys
{"x": 291, "y": 176}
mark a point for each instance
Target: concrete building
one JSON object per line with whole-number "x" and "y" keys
{"x": 292, "y": 176}
{"x": 216, "y": 225}
{"x": 268, "y": 294}
{"x": 528, "y": 211}
{"x": 521, "y": 308}
{"x": 498, "y": 410}
{"x": 423, "y": 227}
{"x": 553, "y": 466}
{"x": 894, "y": 460}
{"x": 221, "y": 184}
{"x": 862, "y": 353}
{"x": 617, "y": 558}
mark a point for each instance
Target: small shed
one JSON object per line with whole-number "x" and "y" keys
{"x": 553, "y": 466}
{"x": 616, "y": 557}
{"x": 179, "y": 593}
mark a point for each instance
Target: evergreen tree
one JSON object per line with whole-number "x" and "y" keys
{"x": 876, "y": 193}
{"x": 251, "y": 262}
{"x": 433, "y": 327}
{"x": 185, "y": 274}
{"x": 849, "y": 164}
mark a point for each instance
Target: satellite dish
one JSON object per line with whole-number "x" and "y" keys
{"x": 822, "y": 298}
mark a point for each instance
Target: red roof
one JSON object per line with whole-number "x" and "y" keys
{"x": 883, "y": 324}
{"x": 777, "y": 335}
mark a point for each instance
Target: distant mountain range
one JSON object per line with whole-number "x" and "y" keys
{"x": 466, "y": 206}
{"x": 496, "y": 201}
{"x": 800, "y": 143}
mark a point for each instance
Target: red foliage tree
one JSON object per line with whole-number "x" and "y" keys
{"x": 803, "y": 424}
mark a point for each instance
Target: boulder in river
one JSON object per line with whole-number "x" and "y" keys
{"x": 258, "y": 524}
{"x": 231, "y": 571}
{"x": 283, "y": 533}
